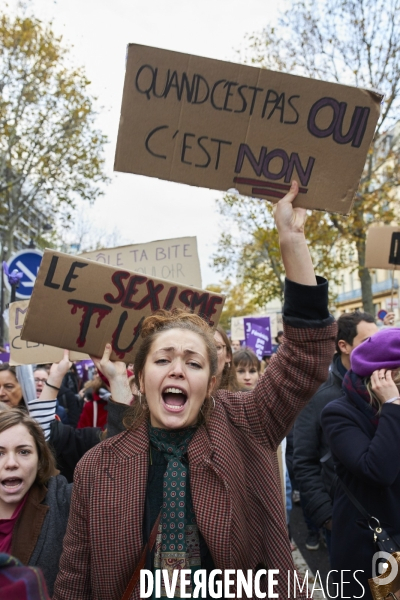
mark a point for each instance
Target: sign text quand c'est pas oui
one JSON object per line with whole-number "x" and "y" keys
{"x": 82, "y": 305}
{"x": 222, "y": 125}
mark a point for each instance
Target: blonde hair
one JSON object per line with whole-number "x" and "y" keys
{"x": 374, "y": 400}
{"x": 160, "y": 321}
{"x": 228, "y": 380}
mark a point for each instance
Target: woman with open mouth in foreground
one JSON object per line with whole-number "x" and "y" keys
{"x": 34, "y": 501}
{"x": 205, "y": 458}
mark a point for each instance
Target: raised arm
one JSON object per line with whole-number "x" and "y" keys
{"x": 294, "y": 249}
{"x": 302, "y": 361}
{"x": 43, "y": 409}
{"x": 56, "y": 375}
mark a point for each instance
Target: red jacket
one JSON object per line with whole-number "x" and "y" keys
{"x": 236, "y": 491}
{"x": 88, "y": 416}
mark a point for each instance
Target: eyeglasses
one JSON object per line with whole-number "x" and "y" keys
{"x": 220, "y": 348}
{"x": 37, "y": 380}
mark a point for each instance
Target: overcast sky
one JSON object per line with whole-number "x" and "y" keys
{"x": 141, "y": 208}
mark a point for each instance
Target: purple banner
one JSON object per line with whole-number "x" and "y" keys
{"x": 258, "y": 335}
{"x": 4, "y": 357}
{"x": 83, "y": 367}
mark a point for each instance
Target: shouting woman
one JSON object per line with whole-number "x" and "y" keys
{"x": 195, "y": 469}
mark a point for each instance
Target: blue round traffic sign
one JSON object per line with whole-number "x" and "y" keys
{"x": 27, "y": 262}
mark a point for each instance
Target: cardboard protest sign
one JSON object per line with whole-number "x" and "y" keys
{"x": 175, "y": 259}
{"x": 383, "y": 247}
{"x": 258, "y": 335}
{"x": 223, "y": 125}
{"x": 237, "y": 328}
{"x": 27, "y": 352}
{"x": 81, "y": 305}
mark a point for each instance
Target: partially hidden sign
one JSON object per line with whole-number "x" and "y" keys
{"x": 383, "y": 247}
{"x": 223, "y": 125}
{"x": 81, "y": 305}
{"x": 26, "y": 352}
{"x": 175, "y": 259}
{"x": 258, "y": 335}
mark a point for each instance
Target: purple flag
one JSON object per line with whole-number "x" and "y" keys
{"x": 258, "y": 335}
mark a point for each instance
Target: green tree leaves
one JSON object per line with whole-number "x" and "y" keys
{"x": 50, "y": 150}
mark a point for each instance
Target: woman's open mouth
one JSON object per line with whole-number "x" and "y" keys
{"x": 12, "y": 484}
{"x": 174, "y": 399}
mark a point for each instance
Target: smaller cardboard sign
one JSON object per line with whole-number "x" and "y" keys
{"x": 27, "y": 352}
{"x": 258, "y": 335}
{"x": 380, "y": 247}
{"x": 237, "y": 329}
{"x": 80, "y": 304}
{"x": 175, "y": 259}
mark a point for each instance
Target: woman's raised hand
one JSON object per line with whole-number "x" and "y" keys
{"x": 116, "y": 375}
{"x": 289, "y": 220}
{"x": 383, "y": 385}
{"x": 389, "y": 319}
{"x": 110, "y": 369}
{"x": 56, "y": 375}
{"x": 294, "y": 249}
{"x": 58, "y": 370}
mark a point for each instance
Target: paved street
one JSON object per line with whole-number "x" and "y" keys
{"x": 311, "y": 560}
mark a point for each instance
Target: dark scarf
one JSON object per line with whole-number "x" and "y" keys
{"x": 357, "y": 391}
{"x": 177, "y": 544}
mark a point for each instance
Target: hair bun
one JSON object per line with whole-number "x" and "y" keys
{"x": 163, "y": 319}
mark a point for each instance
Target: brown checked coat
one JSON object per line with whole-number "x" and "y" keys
{"x": 235, "y": 487}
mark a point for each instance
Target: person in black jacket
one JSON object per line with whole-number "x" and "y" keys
{"x": 363, "y": 431}
{"x": 314, "y": 477}
{"x": 70, "y": 444}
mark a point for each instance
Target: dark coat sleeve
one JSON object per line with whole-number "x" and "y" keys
{"x": 47, "y": 552}
{"x": 72, "y": 404}
{"x": 116, "y": 413}
{"x": 310, "y": 445}
{"x": 70, "y": 444}
{"x": 374, "y": 461}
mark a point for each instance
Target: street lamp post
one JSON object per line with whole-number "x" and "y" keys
{"x": 3, "y": 257}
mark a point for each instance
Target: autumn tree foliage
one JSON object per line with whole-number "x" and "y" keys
{"x": 353, "y": 42}
{"x": 50, "y": 151}
{"x": 252, "y": 249}
{"x": 238, "y": 302}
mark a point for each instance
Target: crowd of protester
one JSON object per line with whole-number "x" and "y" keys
{"x": 86, "y": 466}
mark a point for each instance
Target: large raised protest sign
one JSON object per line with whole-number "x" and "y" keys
{"x": 81, "y": 305}
{"x": 223, "y": 125}
{"x": 26, "y": 352}
{"x": 175, "y": 259}
{"x": 383, "y": 247}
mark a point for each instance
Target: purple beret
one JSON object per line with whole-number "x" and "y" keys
{"x": 381, "y": 351}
